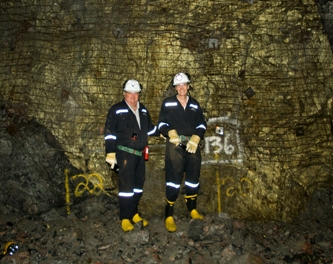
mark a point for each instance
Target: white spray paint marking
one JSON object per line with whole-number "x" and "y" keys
{"x": 225, "y": 144}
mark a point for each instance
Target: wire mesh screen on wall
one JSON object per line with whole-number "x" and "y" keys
{"x": 260, "y": 69}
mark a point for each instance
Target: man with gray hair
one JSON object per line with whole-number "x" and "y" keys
{"x": 127, "y": 127}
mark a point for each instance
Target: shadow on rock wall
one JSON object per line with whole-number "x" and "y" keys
{"x": 32, "y": 164}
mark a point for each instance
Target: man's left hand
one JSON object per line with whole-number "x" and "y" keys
{"x": 192, "y": 144}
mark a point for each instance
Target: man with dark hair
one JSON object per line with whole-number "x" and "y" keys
{"x": 182, "y": 122}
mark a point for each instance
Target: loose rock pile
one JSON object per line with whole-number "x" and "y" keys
{"x": 92, "y": 234}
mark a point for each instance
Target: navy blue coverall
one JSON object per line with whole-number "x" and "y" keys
{"x": 122, "y": 129}
{"x": 186, "y": 122}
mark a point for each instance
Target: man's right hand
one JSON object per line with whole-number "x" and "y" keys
{"x": 174, "y": 138}
{"x": 111, "y": 159}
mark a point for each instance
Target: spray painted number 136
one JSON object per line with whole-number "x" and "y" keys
{"x": 218, "y": 145}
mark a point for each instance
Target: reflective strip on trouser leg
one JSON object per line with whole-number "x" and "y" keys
{"x": 131, "y": 179}
{"x": 191, "y": 188}
{"x": 178, "y": 162}
{"x": 174, "y": 170}
{"x": 192, "y": 172}
{"x": 172, "y": 191}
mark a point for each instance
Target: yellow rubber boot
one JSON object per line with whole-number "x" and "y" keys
{"x": 191, "y": 203}
{"x": 170, "y": 224}
{"x": 126, "y": 225}
{"x": 195, "y": 214}
{"x": 137, "y": 218}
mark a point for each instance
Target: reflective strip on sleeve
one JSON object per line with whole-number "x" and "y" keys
{"x": 110, "y": 137}
{"x": 162, "y": 124}
{"x": 171, "y": 104}
{"x": 194, "y": 106}
{"x": 201, "y": 126}
{"x": 152, "y": 131}
{"x": 120, "y": 111}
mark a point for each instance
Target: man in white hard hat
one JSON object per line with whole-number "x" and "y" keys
{"x": 182, "y": 122}
{"x": 127, "y": 127}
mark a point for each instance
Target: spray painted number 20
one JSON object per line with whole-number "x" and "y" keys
{"x": 242, "y": 188}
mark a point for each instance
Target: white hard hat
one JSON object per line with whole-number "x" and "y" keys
{"x": 180, "y": 78}
{"x": 132, "y": 86}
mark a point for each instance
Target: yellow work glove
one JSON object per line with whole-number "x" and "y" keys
{"x": 192, "y": 145}
{"x": 111, "y": 159}
{"x": 174, "y": 138}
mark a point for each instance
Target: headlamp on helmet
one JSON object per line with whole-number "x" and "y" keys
{"x": 180, "y": 78}
{"x": 132, "y": 86}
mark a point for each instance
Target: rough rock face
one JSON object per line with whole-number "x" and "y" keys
{"x": 262, "y": 70}
{"x": 32, "y": 165}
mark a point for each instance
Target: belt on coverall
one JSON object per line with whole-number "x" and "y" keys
{"x": 184, "y": 138}
{"x": 130, "y": 150}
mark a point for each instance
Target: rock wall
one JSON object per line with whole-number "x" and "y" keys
{"x": 261, "y": 70}
{"x": 32, "y": 165}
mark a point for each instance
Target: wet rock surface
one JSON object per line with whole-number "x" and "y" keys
{"x": 91, "y": 233}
